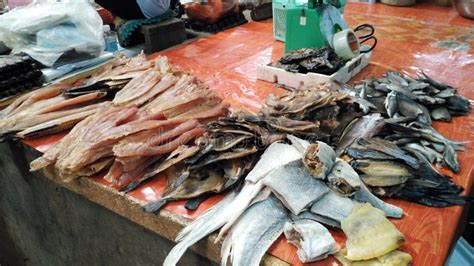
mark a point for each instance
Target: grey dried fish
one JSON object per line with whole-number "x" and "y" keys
{"x": 343, "y": 178}
{"x": 313, "y": 240}
{"x": 319, "y": 159}
{"x": 295, "y": 186}
{"x": 249, "y": 238}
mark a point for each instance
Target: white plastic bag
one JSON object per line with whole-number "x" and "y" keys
{"x": 46, "y": 29}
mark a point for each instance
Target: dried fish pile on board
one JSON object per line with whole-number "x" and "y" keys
{"x": 295, "y": 195}
{"x": 389, "y": 165}
{"x": 59, "y": 107}
{"x": 328, "y": 110}
{"x": 131, "y": 140}
{"x": 229, "y": 146}
{"x": 413, "y": 103}
{"x": 317, "y": 60}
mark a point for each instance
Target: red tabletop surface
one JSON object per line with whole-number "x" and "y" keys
{"x": 432, "y": 38}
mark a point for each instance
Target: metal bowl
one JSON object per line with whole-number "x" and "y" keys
{"x": 465, "y": 8}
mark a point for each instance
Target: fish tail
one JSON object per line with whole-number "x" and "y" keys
{"x": 176, "y": 253}
{"x": 155, "y": 206}
{"x": 131, "y": 186}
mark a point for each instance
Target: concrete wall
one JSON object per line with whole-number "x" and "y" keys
{"x": 42, "y": 223}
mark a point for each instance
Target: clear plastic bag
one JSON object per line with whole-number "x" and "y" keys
{"x": 254, "y": 3}
{"x": 211, "y": 11}
{"x": 49, "y": 29}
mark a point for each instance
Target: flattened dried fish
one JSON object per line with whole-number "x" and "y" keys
{"x": 393, "y": 258}
{"x": 206, "y": 223}
{"x": 314, "y": 242}
{"x": 369, "y": 233}
{"x": 365, "y": 127}
{"x": 295, "y": 186}
{"x": 333, "y": 207}
{"x": 249, "y": 238}
{"x": 276, "y": 155}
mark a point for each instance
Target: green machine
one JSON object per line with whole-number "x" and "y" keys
{"x": 312, "y": 25}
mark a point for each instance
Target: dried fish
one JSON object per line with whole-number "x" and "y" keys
{"x": 249, "y": 238}
{"x": 333, "y": 207}
{"x": 369, "y": 233}
{"x": 395, "y": 257}
{"x": 343, "y": 178}
{"x": 314, "y": 242}
{"x": 319, "y": 159}
{"x": 295, "y": 186}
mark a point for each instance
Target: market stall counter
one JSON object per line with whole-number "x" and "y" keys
{"x": 439, "y": 44}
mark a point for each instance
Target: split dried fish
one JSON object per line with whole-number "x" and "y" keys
{"x": 295, "y": 186}
{"x": 249, "y": 238}
{"x": 333, "y": 207}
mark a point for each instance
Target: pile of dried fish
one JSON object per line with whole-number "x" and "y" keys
{"x": 317, "y": 60}
{"x": 291, "y": 198}
{"x": 59, "y": 107}
{"x": 46, "y": 111}
{"x": 329, "y": 111}
{"x": 422, "y": 99}
{"x": 139, "y": 134}
{"x": 230, "y": 145}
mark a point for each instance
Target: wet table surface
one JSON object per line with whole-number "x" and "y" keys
{"x": 435, "y": 39}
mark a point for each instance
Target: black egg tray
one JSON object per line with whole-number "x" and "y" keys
{"x": 225, "y": 23}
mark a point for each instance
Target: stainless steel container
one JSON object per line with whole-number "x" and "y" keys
{"x": 465, "y": 8}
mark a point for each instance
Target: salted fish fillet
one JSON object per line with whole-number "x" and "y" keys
{"x": 233, "y": 205}
{"x": 295, "y": 186}
{"x": 369, "y": 233}
{"x": 137, "y": 87}
{"x": 143, "y": 144}
{"x": 37, "y": 121}
{"x": 333, "y": 206}
{"x": 166, "y": 82}
{"x": 276, "y": 155}
{"x": 313, "y": 240}
{"x": 249, "y": 238}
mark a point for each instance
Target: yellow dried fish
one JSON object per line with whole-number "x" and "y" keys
{"x": 394, "y": 258}
{"x": 369, "y": 233}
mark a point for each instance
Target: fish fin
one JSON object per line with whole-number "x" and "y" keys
{"x": 131, "y": 186}
{"x": 207, "y": 223}
{"x": 226, "y": 250}
{"x": 193, "y": 204}
{"x": 155, "y": 206}
{"x": 249, "y": 195}
{"x": 300, "y": 144}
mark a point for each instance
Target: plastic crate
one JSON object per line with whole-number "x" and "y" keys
{"x": 300, "y": 81}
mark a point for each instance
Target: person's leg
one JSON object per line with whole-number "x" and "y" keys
{"x": 126, "y": 9}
